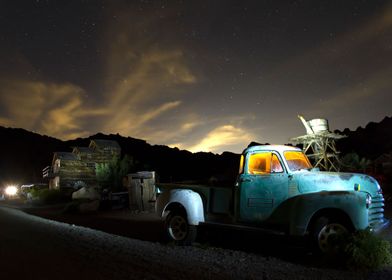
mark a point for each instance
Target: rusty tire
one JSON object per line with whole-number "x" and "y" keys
{"x": 328, "y": 234}
{"x": 178, "y": 230}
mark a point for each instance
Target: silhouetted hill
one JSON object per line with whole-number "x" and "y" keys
{"x": 25, "y": 154}
{"x": 172, "y": 164}
{"x": 369, "y": 142}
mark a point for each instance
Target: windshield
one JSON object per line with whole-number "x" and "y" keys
{"x": 296, "y": 160}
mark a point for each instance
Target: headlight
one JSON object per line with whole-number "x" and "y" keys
{"x": 368, "y": 200}
{"x": 11, "y": 190}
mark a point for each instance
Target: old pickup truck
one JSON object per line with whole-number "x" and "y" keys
{"x": 278, "y": 190}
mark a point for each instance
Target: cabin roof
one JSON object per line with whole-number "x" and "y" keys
{"x": 85, "y": 150}
{"x": 100, "y": 143}
{"x": 65, "y": 156}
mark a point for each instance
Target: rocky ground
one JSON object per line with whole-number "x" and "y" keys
{"x": 121, "y": 245}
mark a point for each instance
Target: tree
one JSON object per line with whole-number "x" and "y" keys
{"x": 110, "y": 175}
{"x": 353, "y": 162}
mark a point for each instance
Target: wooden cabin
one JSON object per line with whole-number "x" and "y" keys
{"x": 83, "y": 153}
{"x": 76, "y": 169}
{"x": 104, "y": 150}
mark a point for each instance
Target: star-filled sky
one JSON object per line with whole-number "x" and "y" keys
{"x": 198, "y": 75}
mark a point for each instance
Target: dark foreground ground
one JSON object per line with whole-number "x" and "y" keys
{"x": 40, "y": 245}
{"x": 149, "y": 227}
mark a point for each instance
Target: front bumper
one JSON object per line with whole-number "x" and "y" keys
{"x": 381, "y": 226}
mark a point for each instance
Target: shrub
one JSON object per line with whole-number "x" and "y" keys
{"x": 367, "y": 251}
{"x": 110, "y": 175}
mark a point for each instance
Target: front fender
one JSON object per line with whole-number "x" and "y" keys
{"x": 300, "y": 209}
{"x": 188, "y": 199}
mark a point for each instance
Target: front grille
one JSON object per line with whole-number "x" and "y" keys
{"x": 376, "y": 211}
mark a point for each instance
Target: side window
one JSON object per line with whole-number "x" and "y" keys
{"x": 264, "y": 163}
{"x": 276, "y": 166}
{"x": 259, "y": 163}
{"x": 56, "y": 166}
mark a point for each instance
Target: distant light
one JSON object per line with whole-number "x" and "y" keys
{"x": 11, "y": 190}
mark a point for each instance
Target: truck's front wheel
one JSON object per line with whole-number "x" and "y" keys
{"x": 329, "y": 235}
{"x": 179, "y": 230}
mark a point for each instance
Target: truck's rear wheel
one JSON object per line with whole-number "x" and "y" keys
{"x": 329, "y": 235}
{"x": 179, "y": 230}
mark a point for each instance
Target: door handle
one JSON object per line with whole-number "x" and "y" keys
{"x": 245, "y": 180}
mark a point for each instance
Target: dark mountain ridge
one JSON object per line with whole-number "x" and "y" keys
{"x": 369, "y": 142}
{"x": 25, "y": 154}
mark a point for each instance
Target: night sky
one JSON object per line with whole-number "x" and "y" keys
{"x": 198, "y": 75}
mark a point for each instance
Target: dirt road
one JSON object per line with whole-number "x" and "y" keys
{"x": 35, "y": 248}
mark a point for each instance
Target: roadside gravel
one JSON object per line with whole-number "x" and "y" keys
{"x": 99, "y": 255}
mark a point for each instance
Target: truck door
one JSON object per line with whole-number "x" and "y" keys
{"x": 261, "y": 187}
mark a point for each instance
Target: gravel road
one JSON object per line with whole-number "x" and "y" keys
{"x": 35, "y": 248}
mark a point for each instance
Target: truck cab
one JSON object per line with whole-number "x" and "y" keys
{"x": 265, "y": 180}
{"x": 277, "y": 188}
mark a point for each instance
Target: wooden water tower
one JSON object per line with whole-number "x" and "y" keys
{"x": 319, "y": 144}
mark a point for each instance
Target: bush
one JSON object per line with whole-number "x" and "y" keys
{"x": 47, "y": 196}
{"x": 367, "y": 251}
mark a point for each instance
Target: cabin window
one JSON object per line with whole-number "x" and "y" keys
{"x": 56, "y": 166}
{"x": 296, "y": 160}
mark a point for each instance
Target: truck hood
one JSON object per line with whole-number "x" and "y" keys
{"x": 316, "y": 181}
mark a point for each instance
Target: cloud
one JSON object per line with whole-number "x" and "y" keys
{"x": 144, "y": 82}
{"x": 48, "y": 108}
{"x": 344, "y": 76}
{"x": 187, "y": 126}
{"x": 222, "y": 138}
{"x": 371, "y": 97}
{"x": 375, "y": 87}
{"x": 146, "y": 91}
{"x": 347, "y": 44}
{"x": 176, "y": 130}
{"x": 148, "y": 80}
{"x": 364, "y": 50}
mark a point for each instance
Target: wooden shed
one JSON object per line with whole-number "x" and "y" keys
{"x": 71, "y": 172}
{"x": 76, "y": 169}
{"x": 104, "y": 150}
{"x": 83, "y": 153}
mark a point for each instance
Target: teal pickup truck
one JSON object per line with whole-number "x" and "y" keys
{"x": 276, "y": 190}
